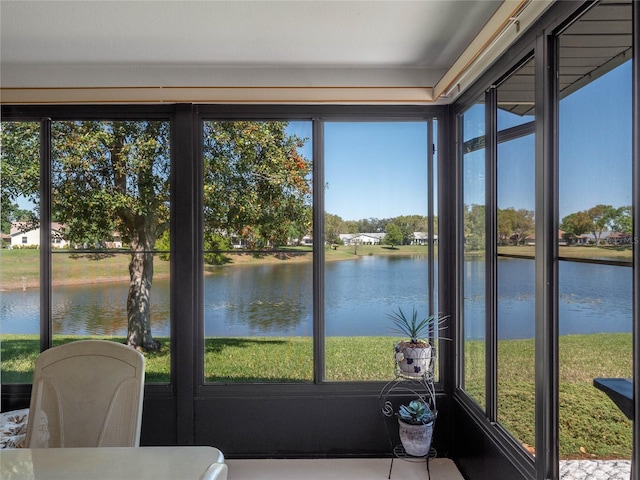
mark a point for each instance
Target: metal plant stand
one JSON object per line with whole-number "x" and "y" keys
{"x": 417, "y": 387}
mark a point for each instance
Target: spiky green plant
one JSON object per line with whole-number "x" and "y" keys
{"x": 418, "y": 331}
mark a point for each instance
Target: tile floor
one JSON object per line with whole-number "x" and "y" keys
{"x": 341, "y": 469}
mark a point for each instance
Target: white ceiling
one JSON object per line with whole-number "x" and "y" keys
{"x": 210, "y": 43}
{"x": 427, "y": 33}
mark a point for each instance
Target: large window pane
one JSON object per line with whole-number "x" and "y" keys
{"x": 376, "y": 228}
{"x": 473, "y": 280}
{"x": 258, "y": 301}
{"x": 515, "y": 237}
{"x": 595, "y": 294}
{"x": 20, "y": 254}
{"x": 110, "y": 206}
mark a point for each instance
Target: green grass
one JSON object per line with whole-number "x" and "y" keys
{"x": 591, "y": 426}
{"x": 19, "y": 353}
{"x": 608, "y": 252}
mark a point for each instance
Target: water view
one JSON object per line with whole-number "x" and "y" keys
{"x": 276, "y": 300}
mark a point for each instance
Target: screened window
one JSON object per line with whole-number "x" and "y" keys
{"x": 595, "y": 244}
{"x": 110, "y": 220}
{"x": 474, "y": 244}
{"x": 377, "y": 232}
{"x": 515, "y": 199}
{"x": 20, "y": 256}
{"x": 258, "y": 251}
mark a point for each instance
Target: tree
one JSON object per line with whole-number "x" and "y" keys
{"x": 19, "y": 171}
{"x": 257, "y": 185}
{"x": 523, "y": 225}
{"x": 474, "y": 227}
{"x": 114, "y": 176}
{"x": 575, "y": 224}
{"x": 601, "y": 216}
{"x": 622, "y": 221}
{"x": 333, "y": 227}
{"x": 506, "y": 222}
{"x": 393, "y": 235}
{"x": 11, "y": 212}
{"x": 514, "y": 225}
{"x": 106, "y": 177}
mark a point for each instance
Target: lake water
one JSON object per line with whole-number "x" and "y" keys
{"x": 276, "y": 300}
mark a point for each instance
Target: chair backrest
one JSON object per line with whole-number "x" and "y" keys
{"x": 87, "y": 393}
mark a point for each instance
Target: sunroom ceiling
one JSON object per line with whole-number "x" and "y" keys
{"x": 415, "y": 44}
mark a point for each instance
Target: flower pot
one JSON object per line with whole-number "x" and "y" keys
{"x": 413, "y": 359}
{"x": 416, "y": 439}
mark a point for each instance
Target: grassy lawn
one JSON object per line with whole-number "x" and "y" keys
{"x": 612, "y": 252}
{"x": 591, "y": 426}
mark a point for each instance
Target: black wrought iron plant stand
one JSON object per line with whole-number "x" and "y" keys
{"x": 418, "y": 387}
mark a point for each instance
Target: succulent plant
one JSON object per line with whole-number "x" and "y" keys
{"x": 416, "y": 413}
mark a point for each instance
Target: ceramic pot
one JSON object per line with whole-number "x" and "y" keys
{"x": 416, "y": 439}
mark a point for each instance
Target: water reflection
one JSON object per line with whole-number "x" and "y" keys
{"x": 276, "y": 300}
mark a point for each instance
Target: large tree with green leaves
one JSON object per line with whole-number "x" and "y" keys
{"x": 393, "y": 235}
{"x": 106, "y": 177}
{"x": 257, "y": 185}
{"x": 622, "y": 221}
{"x": 114, "y": 177}
{"x": 514, "y": 225}
{"x": 575, "y": 224}
{"x": 601, "y": 217}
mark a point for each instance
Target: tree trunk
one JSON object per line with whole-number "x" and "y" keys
{"x": 139, "y": 298}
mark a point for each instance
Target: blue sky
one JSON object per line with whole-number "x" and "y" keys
{"x": 378, "y": 169}
{"x": 375, "y": 169}
{"x": 595, "y": 151}
{"x": 372, "y": 169}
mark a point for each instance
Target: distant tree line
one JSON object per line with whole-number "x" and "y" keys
{"x": 399, "y": 230}
{"x": 515, "y": 226}
{"x": 596, "y": 221}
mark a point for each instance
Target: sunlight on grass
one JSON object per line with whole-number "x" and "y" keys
{"x": 588, "y": 418}
{"x": 589, "y": 421}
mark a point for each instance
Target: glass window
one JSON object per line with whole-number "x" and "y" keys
{"x": 473, "y": 279}
{"x": 377, "y": 241}
{"x": 20, "y": 254}
{"x": 515, "y": 264}
{"x": 595, "y": 278}
{"x": 258, "y": 251}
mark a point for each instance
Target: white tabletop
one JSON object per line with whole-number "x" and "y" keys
{"x": 114, "y": 463}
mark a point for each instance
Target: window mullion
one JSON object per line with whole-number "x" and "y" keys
{"x": 45, "y": 234}
{"x": 318, "y": 252}
{"x": 491, "y": 219}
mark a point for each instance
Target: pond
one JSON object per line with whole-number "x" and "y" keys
{"x": 276, "y": 300}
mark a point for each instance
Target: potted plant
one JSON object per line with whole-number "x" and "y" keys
{"x": 415, "y": 422}
{"x": 414, "y": 356}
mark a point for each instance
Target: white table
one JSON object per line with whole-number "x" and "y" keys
{"x": 114, "y": 463}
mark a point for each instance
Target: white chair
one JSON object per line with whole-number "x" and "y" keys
{"x": 87, "y": 393}
{"x": 217, "y": 471}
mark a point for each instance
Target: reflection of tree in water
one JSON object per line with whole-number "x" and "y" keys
{"x": 101, "y": 309}
{"x": 270, "y": 315}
